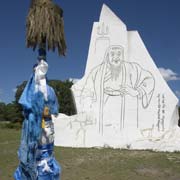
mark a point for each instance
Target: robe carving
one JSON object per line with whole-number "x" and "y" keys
{"x": 101, "y": 95}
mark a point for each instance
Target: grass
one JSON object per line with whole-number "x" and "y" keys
{"x": 96, "y": 164}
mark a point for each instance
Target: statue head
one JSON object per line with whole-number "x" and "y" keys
{"x": 115, "y": 55}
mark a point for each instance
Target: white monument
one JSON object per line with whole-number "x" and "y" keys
{"x": 122, "y": 101}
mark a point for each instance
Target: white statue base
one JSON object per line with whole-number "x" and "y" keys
{"x": 71, "y": 131}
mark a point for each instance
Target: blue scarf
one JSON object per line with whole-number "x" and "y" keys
{"x": 33, "y": 104}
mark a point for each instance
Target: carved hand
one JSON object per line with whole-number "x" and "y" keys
{"x": 131, "y": 91}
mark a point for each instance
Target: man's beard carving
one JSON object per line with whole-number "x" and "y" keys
{"x": 115, "y": 71}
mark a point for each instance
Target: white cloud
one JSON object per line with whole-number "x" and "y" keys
{"x": 74, "y": 80}
{"x": 169, "y": 75}
{"x": 14, "y": 90}
{"x": 177, "y": 93}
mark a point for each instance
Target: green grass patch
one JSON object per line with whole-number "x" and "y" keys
{"x": 95, "y": 164}
{"x": 10, "y": 125}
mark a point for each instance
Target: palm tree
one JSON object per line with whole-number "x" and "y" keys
{"x": 45, "y": 27}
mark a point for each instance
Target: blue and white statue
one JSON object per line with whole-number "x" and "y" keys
{"x": 36, "y": 154}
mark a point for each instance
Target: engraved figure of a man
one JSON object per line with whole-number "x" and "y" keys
{"x": 117, "y": 88}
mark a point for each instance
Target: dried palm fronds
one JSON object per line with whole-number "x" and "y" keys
{"x": 45, "y": 26}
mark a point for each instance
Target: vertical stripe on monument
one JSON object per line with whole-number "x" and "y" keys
{"x": 101, "y": 100}
{"x": 123, "y": 98}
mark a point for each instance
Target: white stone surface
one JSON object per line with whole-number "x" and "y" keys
{"x": 122, "y": 100}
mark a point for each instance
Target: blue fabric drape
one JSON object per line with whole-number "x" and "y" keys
{"x": 33, "y": 104}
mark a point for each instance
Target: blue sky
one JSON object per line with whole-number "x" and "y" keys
{"x": 156, "y": 20}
